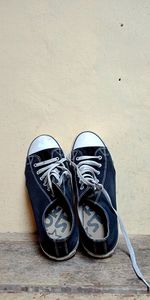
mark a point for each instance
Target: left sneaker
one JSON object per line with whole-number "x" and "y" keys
{"x": 49, "y": 184}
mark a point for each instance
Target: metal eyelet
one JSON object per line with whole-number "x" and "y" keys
{"x": 57, "y": 158}
{"x": 37, "y": 172}
{"x": 35, "y": 165}
{"x": 99, "y": 157}
{"x": 41, "y": 178}
{"x": 77, "y": 158}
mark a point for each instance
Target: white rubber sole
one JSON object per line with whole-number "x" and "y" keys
{"x": 70, "y": 255}
{"x": 101, "y": 256}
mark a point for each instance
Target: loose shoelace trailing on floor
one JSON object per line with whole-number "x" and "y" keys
{"x": 87, "y": 175}
{"x": 53, "y": 167}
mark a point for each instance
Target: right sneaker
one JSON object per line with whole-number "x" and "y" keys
{"x": 94, "y": 180}
{"x": 95, "y": 188}
{"x": 49, "y": 184}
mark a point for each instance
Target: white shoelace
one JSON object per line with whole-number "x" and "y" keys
{"x": 52, "y": 167}
{"x": 87, "y": 175}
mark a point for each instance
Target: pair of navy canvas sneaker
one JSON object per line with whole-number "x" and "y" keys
{"x": 75, "y": 199}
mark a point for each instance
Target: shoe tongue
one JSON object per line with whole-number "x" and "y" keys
{"x": 90, "y": 195}
{"x": 94, "y": 198}
{"x": 87, "y": 193}
{"x": 65, "y": 190}
{"x": 50, "y": 153}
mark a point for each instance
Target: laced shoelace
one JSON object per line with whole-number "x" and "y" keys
{"x": 53, "y": 167}
{"x": 87, "y": 175}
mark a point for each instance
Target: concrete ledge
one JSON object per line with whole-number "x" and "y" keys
{"x": 24, "y": 271}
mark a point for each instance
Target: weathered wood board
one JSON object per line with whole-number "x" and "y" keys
{"x": 25, "y": 271}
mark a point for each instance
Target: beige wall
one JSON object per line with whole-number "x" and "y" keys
{"x": 60, "y": 64}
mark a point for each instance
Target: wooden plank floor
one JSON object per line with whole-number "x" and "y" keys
{"x": 27, "y": 274}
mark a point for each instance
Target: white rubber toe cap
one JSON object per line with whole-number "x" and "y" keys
{"x": 88, "y": 139}
{"x": 42, "y": 142}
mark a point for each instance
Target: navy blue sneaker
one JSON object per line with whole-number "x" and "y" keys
{"x": 94, "y": 180}
{"x": 49, "y": 184}
{"x": 95, "y": 189}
